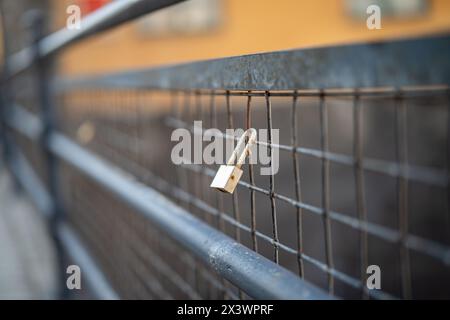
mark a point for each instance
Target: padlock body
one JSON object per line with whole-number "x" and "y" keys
{"x": 227, "y": 178}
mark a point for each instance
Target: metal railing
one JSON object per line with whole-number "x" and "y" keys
{"x": 354, "y": 186}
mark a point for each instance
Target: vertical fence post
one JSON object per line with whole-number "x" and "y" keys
{"x": 4, "y": 135}
{"x": 7, "y": 139}
{"x": 48, "y": 118}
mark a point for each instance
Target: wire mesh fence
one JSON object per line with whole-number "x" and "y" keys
{"x": 362, "y": 179}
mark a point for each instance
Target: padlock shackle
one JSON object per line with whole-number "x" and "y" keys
{"x": 251, "y": 134}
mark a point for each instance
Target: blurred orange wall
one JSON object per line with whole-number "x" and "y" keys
{"x": 247, "y": 26}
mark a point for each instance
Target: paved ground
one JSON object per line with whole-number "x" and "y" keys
{"x": 27, "y": 260}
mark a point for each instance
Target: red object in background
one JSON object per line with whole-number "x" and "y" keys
{"x": 89, "y": 6}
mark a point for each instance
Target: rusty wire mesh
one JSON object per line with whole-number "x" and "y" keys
{"x": 363, "y": 180}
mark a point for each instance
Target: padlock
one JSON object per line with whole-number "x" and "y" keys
{"x": 228, "y": 176}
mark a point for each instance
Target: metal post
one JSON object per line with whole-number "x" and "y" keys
{"x": 47, "y": 114}
{"x": 6, "y": 149}
{"x": 3, "y": 138}
{"x": 4, "y": 95}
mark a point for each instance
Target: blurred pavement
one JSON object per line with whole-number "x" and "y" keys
{"x": 27, "y": 258}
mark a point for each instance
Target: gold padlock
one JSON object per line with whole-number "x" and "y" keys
{"x": 228, "y": 176}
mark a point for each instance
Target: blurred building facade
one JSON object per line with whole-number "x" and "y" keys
{"x": 204, "y": 29}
